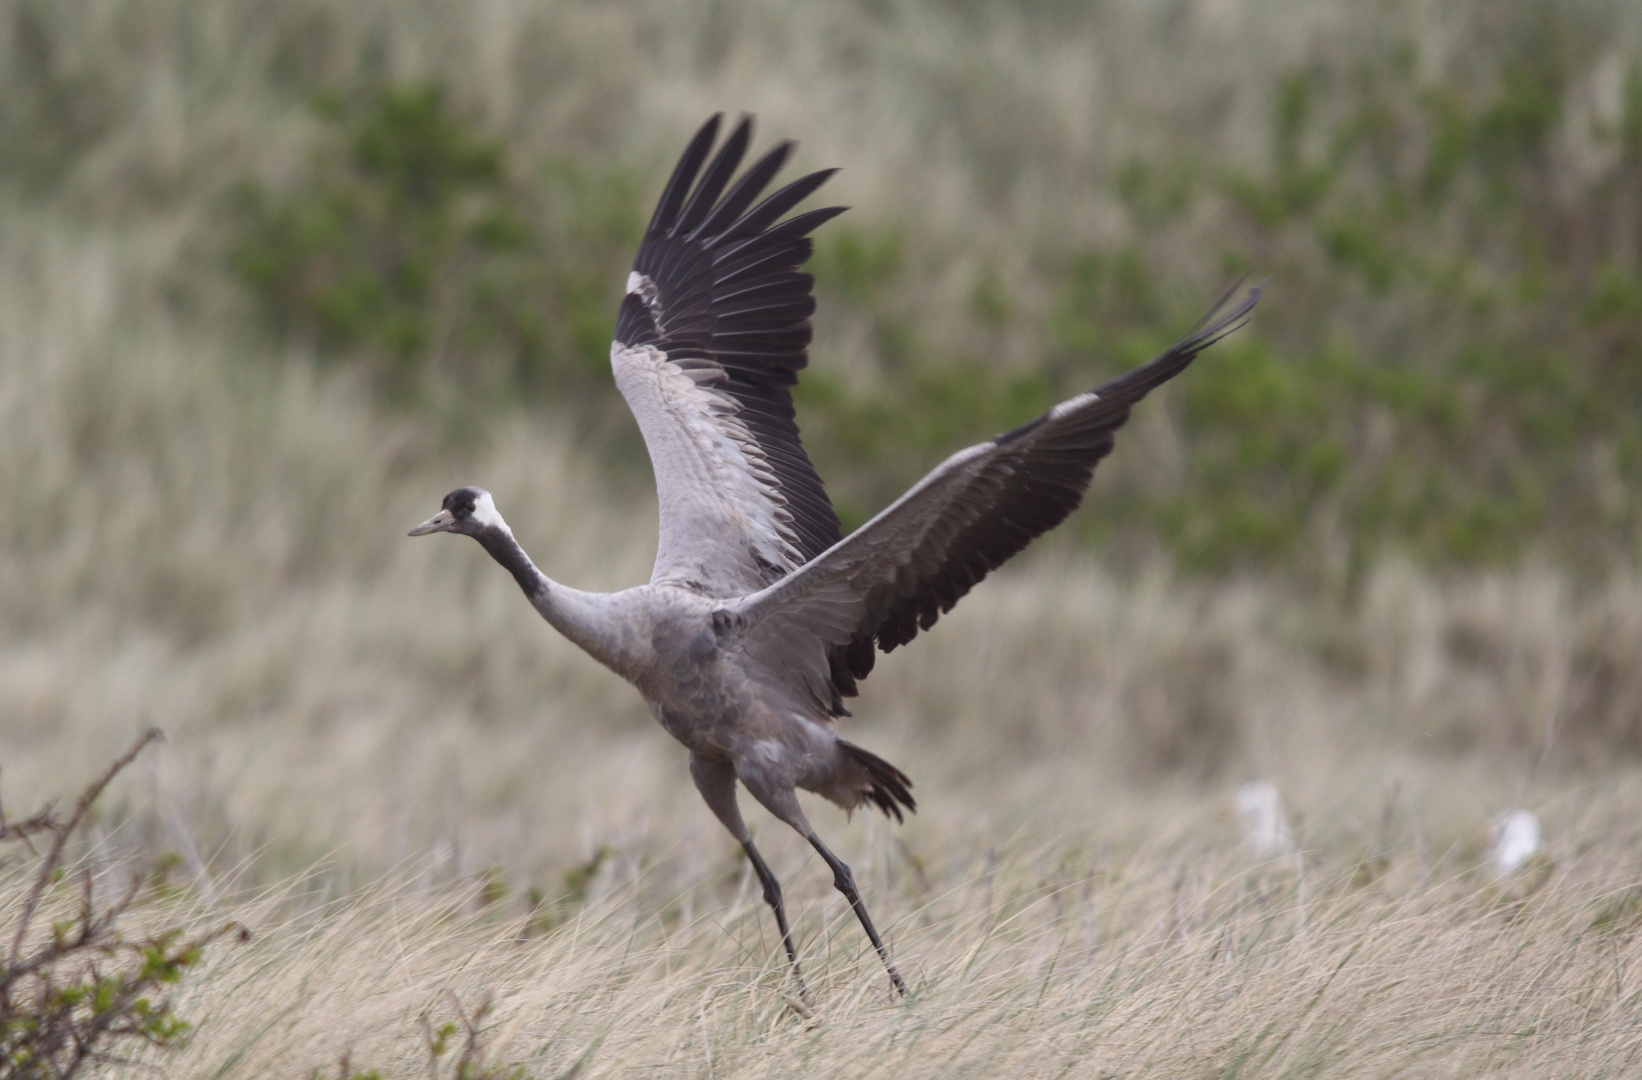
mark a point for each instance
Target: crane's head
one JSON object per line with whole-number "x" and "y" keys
{"x": 467, "y": 510}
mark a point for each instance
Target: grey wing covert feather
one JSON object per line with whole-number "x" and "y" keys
{"x": 897, "y": 574}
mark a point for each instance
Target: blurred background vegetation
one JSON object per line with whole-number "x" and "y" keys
{"x": 273, "y": 278}
{"x": 1448, "y": 199}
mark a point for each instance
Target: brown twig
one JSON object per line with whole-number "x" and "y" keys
{"x": 61, "y": 832}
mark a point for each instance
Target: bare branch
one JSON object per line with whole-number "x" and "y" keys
{"x": 62, "y": 831}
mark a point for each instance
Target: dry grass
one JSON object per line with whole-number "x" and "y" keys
{"x": 370, "y": 737}
{"x": 376, "y": 749}
{"x": 1096, "y": 953}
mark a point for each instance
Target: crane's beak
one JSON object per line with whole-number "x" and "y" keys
{"x": 440, "y": 522}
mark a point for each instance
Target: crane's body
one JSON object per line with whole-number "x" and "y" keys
{"x": 760, "y": 617}
{"x": 681, "y": 652}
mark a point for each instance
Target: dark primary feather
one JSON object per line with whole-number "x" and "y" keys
{"x": 1034, "y": 476}
{"x": 728, "y": 292}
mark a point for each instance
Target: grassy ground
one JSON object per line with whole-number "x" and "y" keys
{"x": 383, "y": 763}
{"x": 419, "y": 799}
{"x": 1133, "y": 940}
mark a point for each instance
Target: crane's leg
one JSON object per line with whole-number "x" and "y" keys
{"x": 716, "y": 782}
{"x": 783, "y": 803}
{"x": 845, "y": 883}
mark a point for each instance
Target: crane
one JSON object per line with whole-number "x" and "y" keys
{"x": 760, "y": 617}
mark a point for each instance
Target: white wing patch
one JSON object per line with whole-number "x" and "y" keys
{"x": 1072, "y": 404}
{"x": 725, "y": 526}
{"x": 641, "y": 286}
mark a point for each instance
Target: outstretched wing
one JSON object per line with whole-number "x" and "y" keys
{"x": 900, "y": 571}
{"x": 711, "y": 336}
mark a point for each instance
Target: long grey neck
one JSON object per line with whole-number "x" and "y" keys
{"x": 499, "y": 541}
{"x": 583, "y": 617}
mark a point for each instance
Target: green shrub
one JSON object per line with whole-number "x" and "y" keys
{"x": 1448, "y": 360}
{"x": 85, "y": 994}
{"x": 412, "y": 243}
{"x": 456, "y": 1050}
{"x": 1449, "y": 340}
